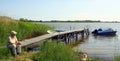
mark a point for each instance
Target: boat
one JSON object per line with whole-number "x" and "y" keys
{"x": 101, "y": 31}
{"x": 54, "y": 31}
{"x": 50, "y": 31}
{"x": 59, "y": 30}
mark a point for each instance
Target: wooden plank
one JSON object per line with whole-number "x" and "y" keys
{"x": 36, "y": 39}
{"x": 46, "y": 36}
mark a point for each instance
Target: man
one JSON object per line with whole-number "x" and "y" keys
{"x": 13, "y": 44}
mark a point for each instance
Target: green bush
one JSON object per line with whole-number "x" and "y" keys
{"x": 52, "y": 51}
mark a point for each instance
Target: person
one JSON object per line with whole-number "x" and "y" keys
{"x": 13, "y": 44}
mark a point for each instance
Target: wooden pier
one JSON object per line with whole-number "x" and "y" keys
{"x": 67, "y": 37}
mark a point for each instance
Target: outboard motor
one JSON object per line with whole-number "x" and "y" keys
{"x": 95, "y": 31}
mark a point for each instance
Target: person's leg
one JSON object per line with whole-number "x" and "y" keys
{"x": 13, "y": 50}
{"x": 18, "y": 49}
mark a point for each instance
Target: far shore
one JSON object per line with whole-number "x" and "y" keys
{"x": 74, "y": 21}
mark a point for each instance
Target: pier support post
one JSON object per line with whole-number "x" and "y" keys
{"x": 76, "y": 35}
{"x": 82, "y": 34}
{"x": 66, "y": 39}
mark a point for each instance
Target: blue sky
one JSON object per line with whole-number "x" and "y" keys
{"x": 105, "y": 10}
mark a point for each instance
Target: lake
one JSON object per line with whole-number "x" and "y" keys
{"x": 106, "y": 47}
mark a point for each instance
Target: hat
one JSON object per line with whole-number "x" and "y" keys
{"x": 13, "y": 32}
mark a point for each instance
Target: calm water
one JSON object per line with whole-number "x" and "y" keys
{"x": 95, "y": 46}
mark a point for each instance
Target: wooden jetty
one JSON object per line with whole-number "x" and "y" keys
{"x": 66, "y": 36}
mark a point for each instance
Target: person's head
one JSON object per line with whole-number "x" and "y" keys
{"x": 13, "y": 33}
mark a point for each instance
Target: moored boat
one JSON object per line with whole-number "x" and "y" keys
{"x": 108, "y": 31}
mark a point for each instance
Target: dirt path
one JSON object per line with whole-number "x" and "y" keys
{"x": 25, "y": 56}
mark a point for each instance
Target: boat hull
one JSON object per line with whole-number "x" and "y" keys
{"x": 106, "y": 33}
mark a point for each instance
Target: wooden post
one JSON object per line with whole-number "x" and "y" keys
{"x": 76, "y": 36}
{"x": 82, "y": 33}
{"x": 58, "y": 38}
{"x": 88, "y": 32}
{"x": 66, "y": 39}
{"x": 73, "y": 36}
{"x": 70, "y": 38}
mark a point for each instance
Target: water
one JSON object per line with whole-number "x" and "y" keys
{"x": 106, "y": 47}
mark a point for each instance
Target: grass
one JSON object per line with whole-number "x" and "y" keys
{"x": 24, "y": 29}
{"x": 94, "y": 59}
{"x": 49, "y": 51}
{"x": 6, "y": 56}
{"x": 52, "y": 51}
{"x": 4, "y": 53}
{"x": 117, "y": 58}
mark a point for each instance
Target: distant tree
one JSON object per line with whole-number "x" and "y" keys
{"x": 40, "y": 20}
{"x": 24, "y": 20}
{"x": 54, "y": 20}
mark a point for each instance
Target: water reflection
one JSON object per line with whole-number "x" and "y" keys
{"x": 105, "y": 37}
{"x": 101, "y": 46}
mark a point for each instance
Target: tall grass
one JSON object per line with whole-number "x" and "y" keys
{"x": 94, "y": 59}
{"x": 117, "y": 58}
{"x": 23, "y": 29}
{"x": 51, "y": 51}
{"x": 4, "y": 53}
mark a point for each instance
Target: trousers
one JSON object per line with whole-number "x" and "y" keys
{"x": 15, "y": 49}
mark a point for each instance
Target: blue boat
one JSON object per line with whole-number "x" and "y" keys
{"x": 108, "y": 31}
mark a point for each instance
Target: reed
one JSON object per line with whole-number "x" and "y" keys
{"x": 94, "y": 59}
{"x": 4, "y": 53}
{"x": 117, "y": 58}
{"x": 24, "y": 29}
{"x": 52, "y": 51}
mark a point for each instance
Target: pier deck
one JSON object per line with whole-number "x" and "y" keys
{"x": 46, "y": 36}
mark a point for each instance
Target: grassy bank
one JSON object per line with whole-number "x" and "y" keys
{"x": 24, "y": 29}
{"x": 52, "y": 51}
{"x": 49, "y": 51}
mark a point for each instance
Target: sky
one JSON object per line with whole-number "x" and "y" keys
{"x": 104, "y": 10}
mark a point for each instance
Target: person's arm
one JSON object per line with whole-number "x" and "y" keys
{"x": 17, "y": 42}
